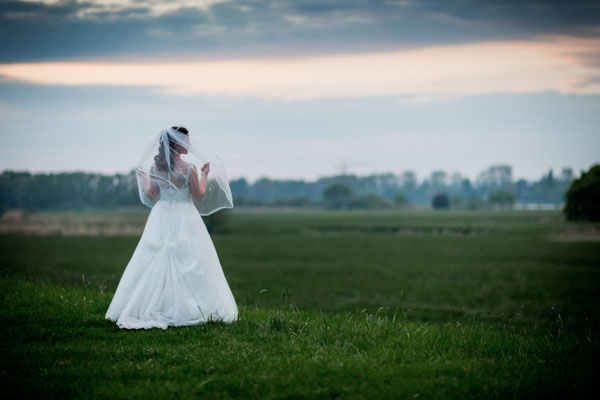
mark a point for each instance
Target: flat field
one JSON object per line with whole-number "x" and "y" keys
{"x": 349, "y": 304}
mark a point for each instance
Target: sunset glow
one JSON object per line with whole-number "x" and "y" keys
{"x": 547, "y": 64}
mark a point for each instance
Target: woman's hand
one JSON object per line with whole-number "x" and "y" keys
{"x": 144, "y": 174}
{"x": 150, "y": 188}
{"x": 197, "y": 183}
{"x": 205, "y": 170}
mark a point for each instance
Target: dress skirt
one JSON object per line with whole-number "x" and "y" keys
{"x": 174, "y": 277}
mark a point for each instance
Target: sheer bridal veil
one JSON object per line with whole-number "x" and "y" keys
{"x": 167, "y": 161}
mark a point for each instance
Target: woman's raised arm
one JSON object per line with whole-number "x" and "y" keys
{"x": 150, "y": 188}
{"x": 198, "y": 186}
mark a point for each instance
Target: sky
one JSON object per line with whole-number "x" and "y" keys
{"x": 303, "y": 89}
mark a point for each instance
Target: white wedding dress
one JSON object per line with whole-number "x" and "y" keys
{"x": 174, "y": 277}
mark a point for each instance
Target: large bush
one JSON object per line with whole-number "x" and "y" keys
{"x": 583, "y": 196}
{"x": 440, "y": 201}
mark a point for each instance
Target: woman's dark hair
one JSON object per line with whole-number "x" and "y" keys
{"x": 159, "y": 159}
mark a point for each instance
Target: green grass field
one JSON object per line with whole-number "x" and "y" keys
{"x": 390, "y": 304}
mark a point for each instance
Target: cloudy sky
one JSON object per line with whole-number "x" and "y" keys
{"x": 301, "y": 89}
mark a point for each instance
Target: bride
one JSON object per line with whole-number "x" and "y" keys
{"x": 174, "y": 277}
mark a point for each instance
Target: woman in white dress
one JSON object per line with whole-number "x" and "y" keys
{"x": 174, "y": 277}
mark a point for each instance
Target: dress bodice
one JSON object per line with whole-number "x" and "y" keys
{"x": 179, "y": 194}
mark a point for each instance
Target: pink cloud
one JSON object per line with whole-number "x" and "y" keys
{"x": 549, "y": 63}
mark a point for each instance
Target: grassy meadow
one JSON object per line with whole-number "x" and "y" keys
{"x": 347, "y": 304}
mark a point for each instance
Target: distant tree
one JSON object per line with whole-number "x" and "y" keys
{"x": 547, "y": 181}
{"x": 440, "y": 201}
{"x": 239, "y": 187}
{"x": 337, "y": 196}
{"x": 467, "y": 191}
{"x": 495, "y": 176}
{"x": 503, "y": 198}
{"x": 456, "y": 179}
{"x": 583, "y": 196}
{"x": 409, "y": 185}
{"x": 567, "y": 174}
{"x": 400, "y": 200}
{"x": 409, "y": 180}
{"x": 522, "y": 190}
{"x": 264, "y": 189}
{"x": 438, "y": 179}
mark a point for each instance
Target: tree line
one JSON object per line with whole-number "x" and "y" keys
{"x": 495, "y": 185}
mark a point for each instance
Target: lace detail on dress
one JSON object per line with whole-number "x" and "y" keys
{"x": 181, "y": 192}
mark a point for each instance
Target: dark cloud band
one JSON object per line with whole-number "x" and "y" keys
{"x": 71, "y": 30}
